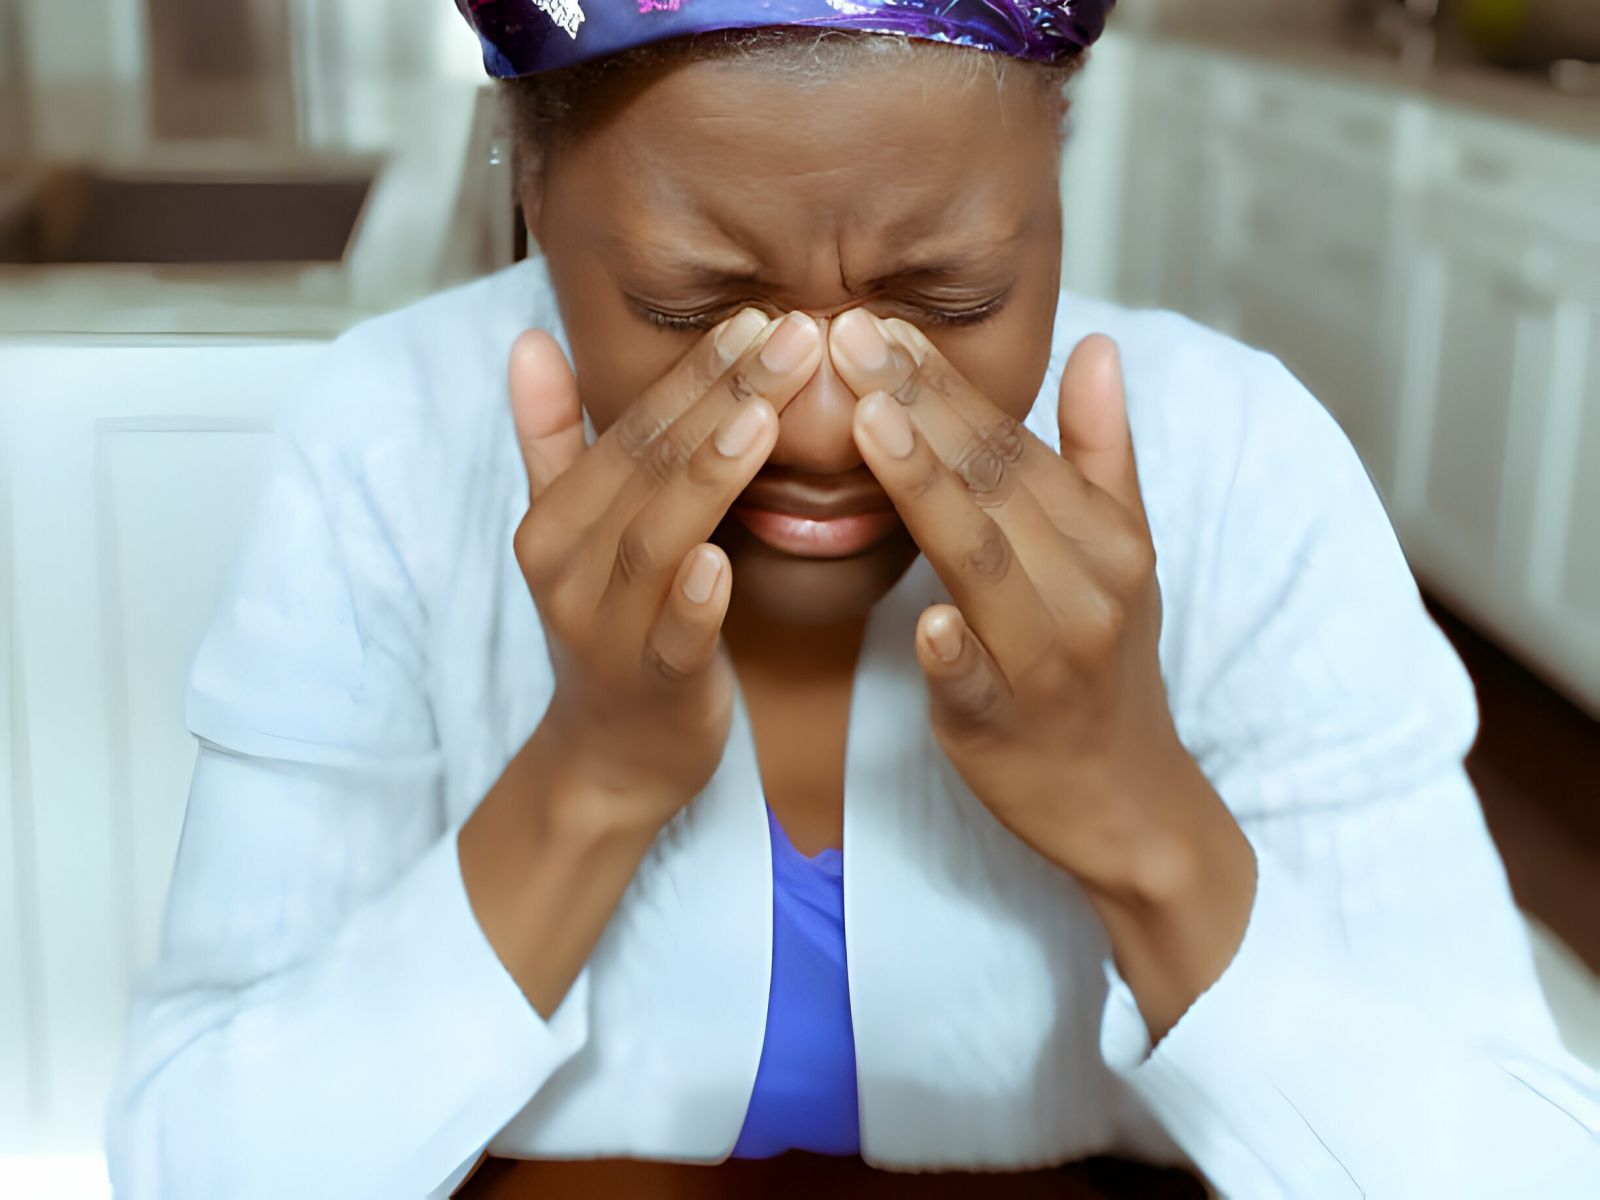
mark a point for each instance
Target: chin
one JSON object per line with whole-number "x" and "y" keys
{"x": 785, "y": 589}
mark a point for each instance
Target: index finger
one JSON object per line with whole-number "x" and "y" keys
{"x": 584, "y": 485}
{"x": 989, "y": 448}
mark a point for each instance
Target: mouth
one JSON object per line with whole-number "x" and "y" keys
{"x": 812, "y": 520}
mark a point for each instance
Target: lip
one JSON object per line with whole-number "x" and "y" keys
{"x": 795, "y": 499}
{"x": 816, "y": 516}
{"x": 809, "y": 537}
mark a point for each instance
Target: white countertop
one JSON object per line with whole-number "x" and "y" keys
{"x": 1510, "y": 96}
{"x": 406, "y": 243}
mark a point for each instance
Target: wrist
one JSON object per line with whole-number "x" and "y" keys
{"x": 1179, "y": 896}
{"x": 585, "y": 802}
{"x": 544, "y": 865}
{"x": 1144, "y": 844}
{"x": 1183, "y": 878}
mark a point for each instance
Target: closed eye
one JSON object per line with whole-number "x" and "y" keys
{"x": 698, "y": 322}
{"x": 917, "y": 312}
{"x": 964, "y": 316}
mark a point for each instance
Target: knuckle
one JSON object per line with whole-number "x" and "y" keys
{"x": 985, "y": 461}
{"x": 707, "y": 471}
{"x": 666, "y": 456}
{"x": 1127, "y": 556}
{"x": 1006, "y": 437}
{"x": 938, "y": 375}
{"x": 539, "y": 547}
{"x": 991, "y": 558}
{"x": 912, "y": 388}
{"x": 638, "y": 428}
{"x": 1103, "y": 623}
{"x": 1049, "y": 675}
{"x": 740, "y": 386}
{"x": 635, "y": 560}
{"x": 922, "y": 481}
{"x": 528, "y": 543}
{"x": 660, "y": 668}
{"x": 1136, "y": 558}
{"x": 976, "y": 696}
{"x": 562, "y": 605}
{"x": 1132, "y": 564}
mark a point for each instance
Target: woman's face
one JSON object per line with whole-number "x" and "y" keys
{"x": 898, "y": 187}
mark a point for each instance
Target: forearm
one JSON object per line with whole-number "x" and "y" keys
{"x": 545, "y": 860}
{"x": 369, "y": 1056}
{"x": 1343, "y": 1039}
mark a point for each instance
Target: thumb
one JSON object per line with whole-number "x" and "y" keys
{"x": 965, "y": 687}
{"x": 544, "y": 408}
{"x": 1093, "y": 419}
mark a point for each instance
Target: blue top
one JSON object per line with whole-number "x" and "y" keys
{"x": 805, "y": 1092}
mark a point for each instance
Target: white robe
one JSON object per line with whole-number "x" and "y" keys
{"x": 327, "y": 1017}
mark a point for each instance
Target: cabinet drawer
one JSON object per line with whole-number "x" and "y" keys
{"x": 1339, "y": 122}
{"x": 1174, "y": 76}
{"x": 1511, "y": 171}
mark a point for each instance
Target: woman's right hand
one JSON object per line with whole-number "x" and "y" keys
{"x": 614, "y": 551}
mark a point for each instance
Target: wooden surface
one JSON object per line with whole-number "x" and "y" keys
{"x": 811, "y": 1176}
{"x": 1535, "y": 766}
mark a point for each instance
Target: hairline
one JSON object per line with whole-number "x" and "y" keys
{"x": 543, "y": 108}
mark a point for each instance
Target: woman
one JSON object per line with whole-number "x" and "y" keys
{"x": 1094, "y": 708}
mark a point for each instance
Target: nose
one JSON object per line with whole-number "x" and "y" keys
{"x": 814, "y": 428}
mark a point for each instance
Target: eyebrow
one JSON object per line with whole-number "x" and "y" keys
{"x": 710, "y": 272}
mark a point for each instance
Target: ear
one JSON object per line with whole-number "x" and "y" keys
{"x": 527, "y": 169}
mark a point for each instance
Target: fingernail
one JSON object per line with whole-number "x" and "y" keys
{"x": 737, "y": 433}
{"x": 736, "y": 334}
{"x": 701, "y": 580}
{"x": 856, "y": 333}
{"x": 888, "y": 425}
{"x": 789, "y": 344}
{"x": 945, "y": 639}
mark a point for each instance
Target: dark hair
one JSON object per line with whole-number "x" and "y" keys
{"x": 553, "y": 107}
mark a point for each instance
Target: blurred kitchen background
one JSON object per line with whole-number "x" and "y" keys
{"x": 1401, "y": 200}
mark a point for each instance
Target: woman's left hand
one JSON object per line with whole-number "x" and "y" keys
{"x": 1044, "y": 676}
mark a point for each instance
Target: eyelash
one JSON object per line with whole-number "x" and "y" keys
{"x": 930, "y": 316}
{"x": 967, "y": 316}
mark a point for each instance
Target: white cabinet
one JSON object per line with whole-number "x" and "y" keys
{"x": 1480, "y": 343}
{"x": 1564, "y": 579}
{"x": 1309, "y": 229}
{"x": 126, "y": 480}
{"x": 1496, "y": 502}
{"x": 1168, "y": 224}
{"x": 1578, "y": 590}
{"x": 1432, "y": 275}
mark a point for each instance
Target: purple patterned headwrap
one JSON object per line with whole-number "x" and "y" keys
{"x": 524, "y": 37}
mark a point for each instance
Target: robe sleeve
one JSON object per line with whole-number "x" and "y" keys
{"x": 1380, "y": 1030}
{"x": 326, "y": 1016}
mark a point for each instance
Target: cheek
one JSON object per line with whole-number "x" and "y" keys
{"x": 616, "y": 356}
{"x": 1005, "y": 359}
